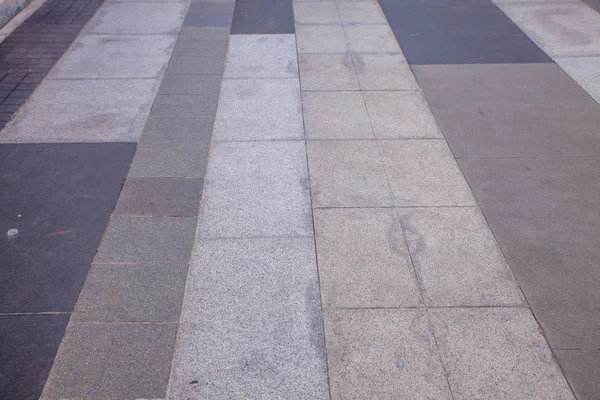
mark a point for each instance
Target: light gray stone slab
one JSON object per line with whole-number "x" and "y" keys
{"x": 424, "y": 173}
{"x": 112, "y": 361}
{"x": 401, "y": 115}
{"x": 186, "y": 160}
{"x": 138, "y": 18}
{"x": 261, "y": 56}
{"x": 383, "y": 71}
{"x": 146, "y": 239}
{"x": 251, "y": 322}
{"x": 569, "y": 29}
{"x": 584, "y": 71}
{"x": 132, "y": 293}
{"x": 321, "y": 39}
{"x": 336, "y": 115}
{"x": 107, "y": 110}
{"x": 256, "y": 189}
{"x": 109, "y": 56}
{"x": 363, "y": 259}
{"x": 383, "y": 354}
{"x": 361, "y": 13}
{"x": 371, "y": 39}
{"x": 184, "y": 106}
{"x": 323, "y": 13}
{"x": 497, "y": 353}
{"x": 259, "y": 109}
{"x": 327, "y": 72}
{"x": 457, "y": 259}
{"x": 347, "y": 173}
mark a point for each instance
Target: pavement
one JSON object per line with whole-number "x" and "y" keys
{"x": 291, "y": 199}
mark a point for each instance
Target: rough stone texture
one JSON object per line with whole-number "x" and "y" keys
{"x": 497, "y": 353}
{"x": 383, "y": 71}
{"x": 440, "y": 184}
{"x": 371, "y": 39}
{"x": 584, "y": 71}
{"x": 401, "y": 114}
{"x": 359, "y": 13}
{"x": 457, "y": 259}
{"x": 347, "y": 173}
{"x": 363, "y": 259}
{"x": 383, "y": 354}
{"x": 322, "y": 13}
{"x": 336, "y": 115}
{"x": 582, "y": 368}
{"x": 261, "y": 56}
{"x": 251, "y": 323}
{"x": 259, "y": 109}
{"x": 327, "y": 72}
{"x": 321, "y": 39}
{"x": 256, "y": 189}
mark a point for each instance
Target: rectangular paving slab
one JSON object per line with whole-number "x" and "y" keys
{"x": 263, "y": 16}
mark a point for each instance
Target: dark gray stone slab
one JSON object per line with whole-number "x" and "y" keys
{"x": 595, "y": 4}
{"x": 263, "y": 16}
{"x": 196, "y": 65}
{"x": 184, "y": 161}
{"x": 203, "y": 19}
{"x": 544, "y": 213}
{"x": 511, "y": 110}
{"x": 204, "y": 33}
{"x": 112, "y": 361}
{"x": 190, "y": 84}
{"x": 582, "y": 369}
{"x": 174, "y": 131}
{"x": 184, "y": 106}
{"x": 175, "y": 197}
{"x": 206, "y": 48}
{"x": 217, "y": 8}
{"x": 436, "y": 33}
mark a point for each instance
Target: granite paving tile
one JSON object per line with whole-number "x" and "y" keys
{"x": 138, "y": 18}
{"x": 320, "y": 13}
{"x": 207, "y": 48}
{"x": 190, "y": 84}
{"x": 583, "y": 70}
{"x": 176, "y": 131}
{"x": 327, "y": 72}
{"x": 261, "y": 56}
{"x": 582, "y": 368}
{"x": 189, "y": 65}
{"x": 204, "y": 33}
{"x": 185, "y": 160}
{"x": 359, "y": 13}
{"x": 263, "y": 17}
{"x": 206, "y": 19}
{"x": 184, "y": 106}
{"x": 383, "y": 71}
{"x": 321, "y": 39}
{"x": 371, "y": 39}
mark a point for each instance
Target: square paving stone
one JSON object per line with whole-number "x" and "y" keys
{"x": 371, "y": 39}
{"x": 138, "y": 18}
{"x": 321, "y": 39}
{"x": 28, "y": 346}
{"x": 207, "y": 19}
{"x": 571, "y": 29}
{"x": 401, "y": 114}
{"x": 265, "y": 286}
{"x": 112, "y": 361}
{"x": 256, "y": 189}
{"x": 582, "y": 368}
{"x": 189, "y": 65}
{"x": 511, "y": 110}
{"x": 491, "y": 351}
{"x": 259, "y": 109}
{"x": 383, "y": 354}
{"x": 184, "y": 106}
{"x": 363, "y": 259}
{"x": 384, "y": 72}
{"x": 132, "y": 293}
{"x": 169, "y": 132}
{"x": 261, "y": 56}
{"x": 189, "y": 33}
{"x": 327, "y": 72}
{"x": 109, "y": 56}
{"x": 263, "y": 17}
{"x": 95, "y": 110}
{"x": 336, "y": 115}
{"x": 187, "y": 160}
{"x": 206, "y": 48}
{"x": 175, "y": 197}
{"x": 190, "y": 84}
{"x": 347, "y": 173}
{"x": 583, "y": 70}
{"x": 146, "y": 239}
{"x": 323, "y": 13}
{"x": 457, "y": 259}
{"x": 360, "y": 13}
{"x": 424, "y": 173}
{"x": 544, "y": 215}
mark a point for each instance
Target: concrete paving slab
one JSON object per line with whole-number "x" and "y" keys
{"x": 457, "y": 259}
{"x": 400, "y": 115}
{"x": 321, "y": 39}
{"x": 583, "y": 70}
{"x": 132, "y": 293}
{"x": 256, "y": 189}
{"x": 544, "y": 215}
{"x": 383, "y": 354}
{"x": 184, "y": 106}
{"x": 171, "y": 132}
{"x": 146, "y": 239}
{"x": 347, "y": 173}
{"x": 261, "y": 56}
{"x": 259, "y": 109}
{"x": 511, "y": 110}
{"x": 439, "y": 184}
{"x": 112, "y": 361}
{"x": 168, "y": 197}
{"x": 190, "y": 84}
{"x": 109, "y": 56}
{"x": 582, "y": 368}
{"x": 336, "y": 115}
{"x": 138, "y": 18}
{"x": 371, "y": 39}
{"x": 111, "y": 110}
{"x": 570, "y": 29}
{"x": 207, "y": 48}
{"x": 360, "y": 13}
{"x": 320, "y": 13}
{"x": 383, "y": 71}
{"x": 327, "y": 72}
{"x": 267, "y": 287}
{"x": 363, "y": 259}
{"x": 492, "y": 352}
{"x": 187, "y": 160}
{"x": 180, "y": 65}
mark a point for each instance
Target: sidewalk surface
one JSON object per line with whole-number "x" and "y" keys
{"x": 277, "y": 199}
